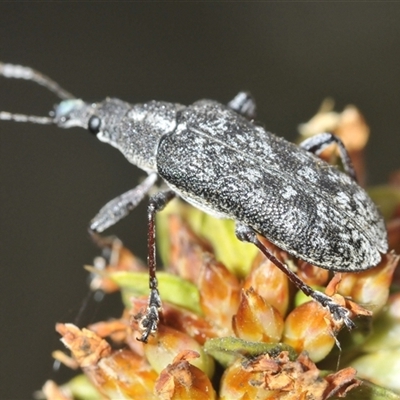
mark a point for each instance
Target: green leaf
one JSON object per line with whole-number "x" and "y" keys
{"x": 386, "y": 197}
{"x": 382, "y": 367}
{"x": 369, "y": 391}
{"x": 234, "y": 254}
{"x": 385, "y": 334}
{"x": 81, "y": 388}
{"x": 301, "y": 298}
{"x": 226, "y": 350}
{"x": 172, "y": 288}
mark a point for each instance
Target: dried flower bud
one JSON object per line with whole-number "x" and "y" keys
{"x": 269, "y": 282}
{"x": 312, "y": 275}
{"x": 371, "y": 287}
{"x": 256, "y": 320}
{"x": 52, "y": 391}
{"x": 267, "y": 377}
{"x": 118, "y": 258}
{"x": 219, "y": 294}
{"x": 181, "y": 380}
{"x": 188, "y": 322}
{"x": 120, "y": 373}
{"x": 168, "y": 343}
{"x": 186, "y": 249}
{"x": 308, "y": 328}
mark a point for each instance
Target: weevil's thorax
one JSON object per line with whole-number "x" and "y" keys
{"x": 136, "y": 129}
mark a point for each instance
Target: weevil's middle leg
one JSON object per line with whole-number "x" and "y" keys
{"x": 149, "y": 322}
{"x": 316, "y": 144}
{"x": 339, "y": 313}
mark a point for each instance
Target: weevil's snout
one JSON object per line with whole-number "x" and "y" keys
{"x": 73, "y": 112}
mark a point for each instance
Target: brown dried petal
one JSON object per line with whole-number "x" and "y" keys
{"x": 116, "y": 329}
{"x": 186, "y": 249}
{"x": 86, "y": 347}
{"x": 121, "y": 373}
{"x": 267, "y": 377}
{"x": 352, "y": 129}
{"x": 341, "y": 383}
{"x": 53, "y": 392}
{"x": 121, "y": 259}
{"x": 188, "y": 322}
{"x": 181, "y": 380}
{"x": 64, "y": 359}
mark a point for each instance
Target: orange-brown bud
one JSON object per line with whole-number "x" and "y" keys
{"x": 370, "y": 288}
{"x": 256, "y": 320}
{"x": 269, "y": 282}
{"x": 219, "y": 294}
{"x": 308, "y": 328}
{"x": 160, "y": 350}
{"x": 181, "y": 380}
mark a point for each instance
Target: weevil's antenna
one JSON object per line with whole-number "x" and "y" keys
{"x": 21, "y": 72}
{"x": 7, "y": 116}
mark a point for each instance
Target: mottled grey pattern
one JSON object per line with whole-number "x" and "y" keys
{"x": 217, "y": 160}
{"x": 135, "y": 130}
{"x": 227, "y": 166}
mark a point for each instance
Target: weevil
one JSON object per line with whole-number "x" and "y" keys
{"x": 217, "y": 159}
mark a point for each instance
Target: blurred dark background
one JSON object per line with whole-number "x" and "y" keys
{"x": 52, "y": 182}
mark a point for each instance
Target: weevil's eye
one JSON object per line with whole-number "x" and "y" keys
{"x": 94, "y": 124}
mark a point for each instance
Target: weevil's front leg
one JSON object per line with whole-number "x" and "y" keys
{"x": 243, "y": 103}
{"x": 148, "y": 322}
{"x": 339, "y": 313}
{"x": 316, "y": 144}
{"x": 121, "y": 206}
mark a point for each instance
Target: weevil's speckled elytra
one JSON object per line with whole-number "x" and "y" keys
{"x": 218, "y": 160}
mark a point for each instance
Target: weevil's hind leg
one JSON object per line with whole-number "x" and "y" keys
{"x": 316, "y": 144}
{"x": 243, "y": 103}
{"x": 339, "y": 313}
{"x": 121, "y": 206}
{"x": 149, "y": 322}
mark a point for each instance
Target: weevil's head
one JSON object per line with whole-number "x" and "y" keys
{"x": 99, "y": 118}
{"x": 134, "y": 129}
{"x": 72, "y": 112}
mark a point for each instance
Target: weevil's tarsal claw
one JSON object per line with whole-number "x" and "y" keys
{"x": 148, "y": 323}
{"x": 339, "y": 313}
